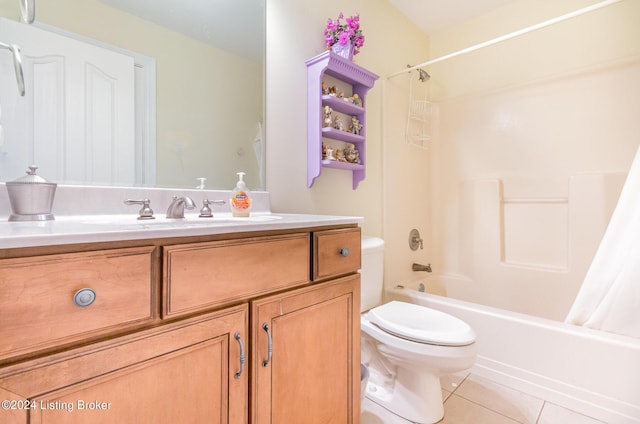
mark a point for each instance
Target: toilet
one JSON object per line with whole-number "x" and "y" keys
{"x": 407, "y": 347}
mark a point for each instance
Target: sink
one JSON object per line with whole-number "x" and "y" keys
{"x": 131, "y": 222}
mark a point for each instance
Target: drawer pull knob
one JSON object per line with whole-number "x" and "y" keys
{"x": 242, "y": 356}
{"x": 265, "y": 327}
{"x": 344, "y": 252}
{"x": 84, "y": 297}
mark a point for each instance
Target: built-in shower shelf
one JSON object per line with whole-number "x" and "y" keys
{"x": 359, "y": 80}
{"x": 420, "y": 137}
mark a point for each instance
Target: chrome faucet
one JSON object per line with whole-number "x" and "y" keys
{"x": 176, "y": 208}
{"x": 418, "y": 267}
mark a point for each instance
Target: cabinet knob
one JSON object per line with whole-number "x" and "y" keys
{"x": 344, "y": 252}
{"x": 84, "y": 297}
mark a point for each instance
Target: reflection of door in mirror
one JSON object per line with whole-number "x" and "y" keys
{"x": 77, "y": 120}
{"x": 199, "y": 110}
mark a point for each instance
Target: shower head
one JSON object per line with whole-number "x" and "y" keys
{"x": 424, "y": 75}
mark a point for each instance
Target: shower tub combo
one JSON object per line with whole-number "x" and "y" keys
{"x": 592, "y": 372}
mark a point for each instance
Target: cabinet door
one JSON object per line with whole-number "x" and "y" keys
{"x": 306, "y": 367}
{"x": 181, "y": 373}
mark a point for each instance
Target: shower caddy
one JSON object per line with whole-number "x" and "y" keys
{"x": 360, "y": 81}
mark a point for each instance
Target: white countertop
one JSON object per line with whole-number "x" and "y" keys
{"x": 102, "y": 228}
{"x": 76, "y": 219}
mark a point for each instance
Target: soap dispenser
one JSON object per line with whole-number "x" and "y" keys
{"x": 240, "y": 201}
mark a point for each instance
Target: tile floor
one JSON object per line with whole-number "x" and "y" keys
{"x": 470, "y": 399}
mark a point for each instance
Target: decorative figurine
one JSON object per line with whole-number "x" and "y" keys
{"x": 327, "y": 152}
{"x": 351, "y": 154}
{"x": 337, "y": 123}
{"x": 357, "y": 100}
{"x": 325, "y": 89}
{"x": 332, "y": 90}
{"x": 327, "y": 121}
{"x": 355, "y": 126}
{"x": 340, "y": 155}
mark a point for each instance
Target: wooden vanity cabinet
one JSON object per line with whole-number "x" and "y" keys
{"x": 306, "y": 342}
{"x": 38, "y": 296}
{"x": 184, "y": 372}
{"x": 306, "y": 355}
{"x": 248, "y": 267}
{"x": 247, "y": 331}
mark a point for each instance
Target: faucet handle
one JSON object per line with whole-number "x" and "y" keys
{"x": 205, "y": 212}
{"x": 415, "y": 240}
{"x": 145, "y": 212}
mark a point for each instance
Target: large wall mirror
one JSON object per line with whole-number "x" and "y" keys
{"x": 196, "y": 69}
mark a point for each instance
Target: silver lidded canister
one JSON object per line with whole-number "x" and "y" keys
{"x": 31, "y": 197}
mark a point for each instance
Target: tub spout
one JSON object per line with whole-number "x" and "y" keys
{"x": 419, "y": 267}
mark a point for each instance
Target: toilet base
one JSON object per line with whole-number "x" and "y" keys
{"x": 414, "y": 396}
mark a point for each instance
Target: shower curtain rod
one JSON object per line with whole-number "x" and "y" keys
{"x": 509, "y": 36}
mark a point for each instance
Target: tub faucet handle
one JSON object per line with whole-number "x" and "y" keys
{"x": 415, "y": 240}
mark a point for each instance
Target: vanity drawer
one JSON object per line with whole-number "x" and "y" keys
{"x": 211, "y": 274}
{"x": 336, "y": 252}
{"x": 37, "y": 309}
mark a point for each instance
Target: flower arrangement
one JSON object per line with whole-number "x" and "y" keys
{"x": 343, "y": 33}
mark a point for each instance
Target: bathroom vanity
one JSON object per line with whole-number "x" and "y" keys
{"x": 107, "y": 320}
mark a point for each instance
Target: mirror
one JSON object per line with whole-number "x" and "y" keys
{"x": 205, "y": 69}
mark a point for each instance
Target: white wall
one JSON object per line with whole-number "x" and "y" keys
{"x": 534, "y": 137}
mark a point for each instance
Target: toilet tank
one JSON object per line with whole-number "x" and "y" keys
{"x": 371, "y": 273}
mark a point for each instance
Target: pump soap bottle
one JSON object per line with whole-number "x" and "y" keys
{"x": 240, "y": 201}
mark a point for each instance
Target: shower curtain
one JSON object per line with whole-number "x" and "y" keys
{"x": 609, "y": 298}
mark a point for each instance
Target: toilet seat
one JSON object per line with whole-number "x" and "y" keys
{"x": 421, "y": 324}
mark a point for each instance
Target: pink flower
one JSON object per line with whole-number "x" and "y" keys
{"x": 336, "y": 32}
{"x": 332, "y": 25}
{"x": 343, "y": 37}
{"x": 354, "y": 22}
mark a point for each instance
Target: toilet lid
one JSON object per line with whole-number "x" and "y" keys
{"x": 421, "y": 324}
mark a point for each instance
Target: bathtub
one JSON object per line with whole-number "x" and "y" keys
{"x": 591, "y": 372}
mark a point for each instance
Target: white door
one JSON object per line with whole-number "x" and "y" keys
{"x": 76, "y": 120}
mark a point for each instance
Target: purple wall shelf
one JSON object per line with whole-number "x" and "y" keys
{"x": 345, "y": 136}
{"x": 361, "y": 80}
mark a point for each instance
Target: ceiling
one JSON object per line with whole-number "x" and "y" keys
{"x": 231, "y": 25}
{"x": 216, "y": 21}
{"x": 435, "y": 15}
